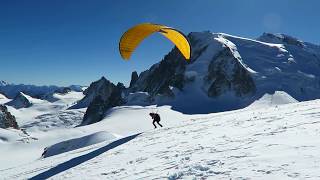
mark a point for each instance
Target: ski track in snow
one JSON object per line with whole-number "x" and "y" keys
{"x": 279, "y": 142}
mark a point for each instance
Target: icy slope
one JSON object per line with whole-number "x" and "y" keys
{"x": 279, "y": 142}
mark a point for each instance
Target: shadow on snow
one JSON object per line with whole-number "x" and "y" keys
{"x": 81, "y": 159}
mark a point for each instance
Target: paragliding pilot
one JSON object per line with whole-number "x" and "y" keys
{"x": 156, "y": 119}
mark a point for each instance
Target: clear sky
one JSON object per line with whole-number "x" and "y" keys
{"x": 65, "y": 42}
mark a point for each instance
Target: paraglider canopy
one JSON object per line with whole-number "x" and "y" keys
{"x": 135, "y": 35}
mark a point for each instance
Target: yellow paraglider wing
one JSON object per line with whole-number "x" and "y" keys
{"x": 135, "y": 35}
{"x": 179, "y": 40}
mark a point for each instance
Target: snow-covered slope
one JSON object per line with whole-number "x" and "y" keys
{"x": 42, "y": 124}
{"x": 77, "y": 143}
{"x": 269, "y": 100}
{"x": 278, "y": 142}
{"x": 2, "y": 96}
{"x": 3, "y": 99}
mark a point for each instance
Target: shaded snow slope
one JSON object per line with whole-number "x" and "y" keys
{"x": 266, "y": 143}
{"x": 77, "y": 143}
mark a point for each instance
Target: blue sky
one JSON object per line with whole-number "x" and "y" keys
{"x": 65, "y": 42}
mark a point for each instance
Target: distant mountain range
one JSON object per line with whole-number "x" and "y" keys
{"x": 12, "y": 90}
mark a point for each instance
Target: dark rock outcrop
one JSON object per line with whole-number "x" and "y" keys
{"x": 281, "y": 38}
{"x": 63, "y": 90}
{"x": 226, "y": 73}
{"x": 101, "y": 88}
{"x": 159, "y": 78}
{"x": 101, "y": 104}
{"x": 7, "y": 120}
{"x": 134, "y": 78}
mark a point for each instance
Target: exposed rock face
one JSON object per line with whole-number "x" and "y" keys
{"x": 63, "y": 90}
{"x": 101, "y": 104}
{"x": 226, "y": 73}
{"x": 7, "y": 120}
{"x": 20, "y": 101}
{"x": 159, "y": 78}
{"x": 134, "y": 78}
{"x": 281, "y": 38}
{"x": 100, "y": 89}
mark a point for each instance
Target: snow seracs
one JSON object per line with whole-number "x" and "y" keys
{"x": 7, "y": 120}
{"x": 21, "y": 101}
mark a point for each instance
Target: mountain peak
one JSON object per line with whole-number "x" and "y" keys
{"x": 101, "y": 87}
{"x": 103, "y": 79}
{"x": 279, "y": 38}
{"x": 21, "y": 101}
{"x": 3, "y": 83}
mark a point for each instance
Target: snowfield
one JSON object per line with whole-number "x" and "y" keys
{"x": 274, "y": 141}
{"x": 44, "y": 124}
